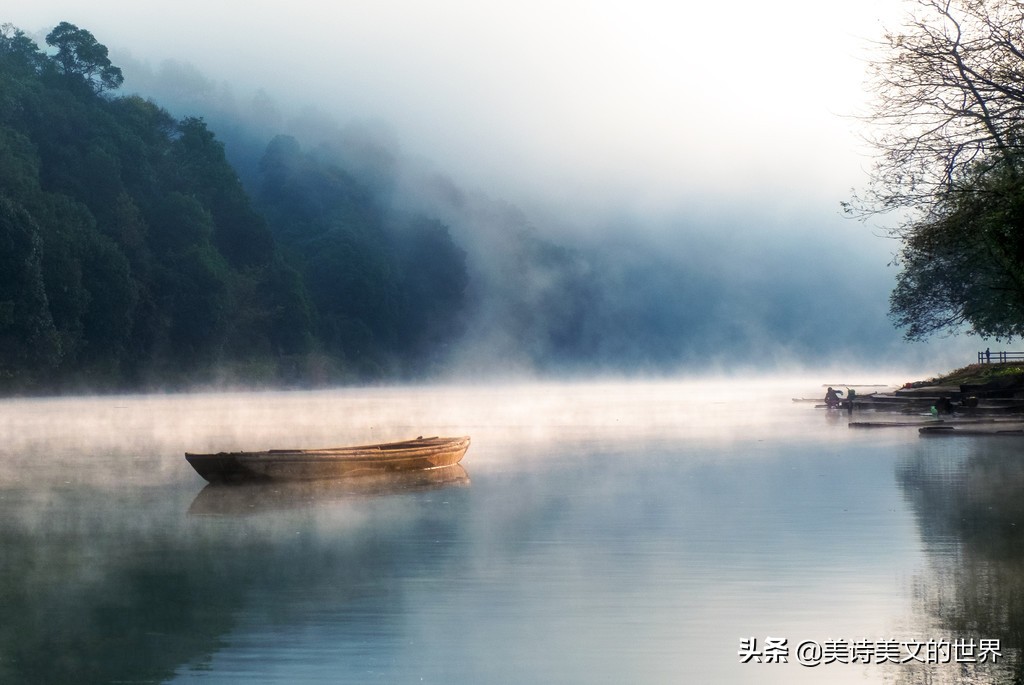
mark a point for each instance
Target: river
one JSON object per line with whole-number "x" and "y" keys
{"x": 598, "y": 532}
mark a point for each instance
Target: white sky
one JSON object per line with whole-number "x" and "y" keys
{"x": 639, "y": 103}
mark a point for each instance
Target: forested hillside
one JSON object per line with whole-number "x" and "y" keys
{"x": 131, "y": 255}
{"x": 197, "y": 237}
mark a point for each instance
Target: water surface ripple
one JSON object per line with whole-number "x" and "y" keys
{"x": 598, "y": 532}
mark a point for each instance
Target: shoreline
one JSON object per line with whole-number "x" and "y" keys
{"x": 1005, "y": 374}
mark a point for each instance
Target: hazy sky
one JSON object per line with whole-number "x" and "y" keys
{"x": 672, "y": 114}
{"x": 646, "y": 102}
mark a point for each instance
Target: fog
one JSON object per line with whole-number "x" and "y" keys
{"x": 130, "y": 441}
{"x": 632, "y": 529}
{"x": 640, "y": 104}
{"x": 692, "y": 156}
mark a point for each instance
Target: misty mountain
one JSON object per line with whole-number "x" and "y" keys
{"x": 134, "y": 255}
{"x": 609, "y": 298}
{"x": 331, "y": 254}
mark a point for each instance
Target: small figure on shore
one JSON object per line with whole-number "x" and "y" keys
{"x": 988, "y": 355}
{"x": 832, "y": 398}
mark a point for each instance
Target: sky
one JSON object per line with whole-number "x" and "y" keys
{"x": 620, "y": 102}
{"x": 676, "y": 116}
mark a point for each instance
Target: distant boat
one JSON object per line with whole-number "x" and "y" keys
{"x": 334, "y": 462}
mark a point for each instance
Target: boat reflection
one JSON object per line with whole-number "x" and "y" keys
{"x": 250, "y": 498}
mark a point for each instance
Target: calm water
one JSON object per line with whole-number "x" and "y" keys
{"x": 598, "y": 533}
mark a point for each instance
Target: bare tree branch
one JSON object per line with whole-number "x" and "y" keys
{"x": 948, "y": 126}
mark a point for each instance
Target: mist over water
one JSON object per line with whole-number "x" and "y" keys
{"x": 609, "y": 531}
{"x": 600, "y": 530}
{"x": 153, "y": 431}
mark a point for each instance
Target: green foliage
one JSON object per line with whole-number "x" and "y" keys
{"x": 202, "y": 170}
{"x": 19, "y": 166}
{"x": 63, "y": 225}
{"x": 79, "y": 56}
{"x": 965, "y": 265}
{"x": 141, "y": 256}
{"x": 28, "y": 337}
{"x": 18, "y": 52}
{"x": 130, "y": 252}
{"x": 948, "y": 115}
{"x": 978, "y": 374}
{"x": 385, "y": 293}
{"x": 112, "y": 295}
{"x": 433, "y": 284}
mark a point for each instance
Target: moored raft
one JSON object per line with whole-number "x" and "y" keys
{"x": 891, "y": 424}
{"x": 335, "y": 462}
{"x": 999, "y": 430}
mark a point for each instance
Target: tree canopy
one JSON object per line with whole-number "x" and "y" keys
{"x": 949, "y": 131}
{"x": 386, "y": 287}
{"x": 140, "y": 248}
{"x": 80, "y": 55}
{"x": 130, "y": 252}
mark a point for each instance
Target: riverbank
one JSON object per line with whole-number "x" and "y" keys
{"x": 974, "y": 390}
{"x": 978, "y": 374}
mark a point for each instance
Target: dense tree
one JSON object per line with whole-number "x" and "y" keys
{"x": 433, "y": 282}
{"x": 387, "y": 292}
{"x": 130, "y": 250}
{"x": 949, "y": 122}
{"x": 202, "y": 170}
{"x": 18, "y": 52}
{"x": 110, "y": 310}
{"x": 964, "y": 265}
{"x": 28, "y": 337}
{"x": 80, "y": 56}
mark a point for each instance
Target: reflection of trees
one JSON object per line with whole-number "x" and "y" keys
{"x": 970, "y": 509}
{"x": 106, "y": 586}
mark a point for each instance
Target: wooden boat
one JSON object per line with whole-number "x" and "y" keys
{"x": 334, "y": 462}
